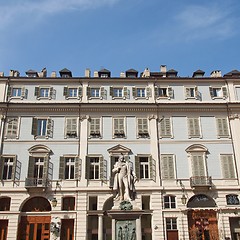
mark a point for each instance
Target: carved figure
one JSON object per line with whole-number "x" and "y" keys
{"x": 124, "y": 180}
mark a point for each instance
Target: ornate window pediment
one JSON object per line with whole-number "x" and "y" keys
{"x": 40, "y": 149}
{"x": 196, "y": 148}
{"x": 118, "y": 149}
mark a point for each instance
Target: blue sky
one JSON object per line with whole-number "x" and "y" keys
{"x": 119, "y": 34}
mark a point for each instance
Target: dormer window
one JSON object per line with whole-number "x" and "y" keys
{"x": 31, "y": 73}
{"x": 65, "y": 73}
{"x": 104, "y": 73}
{"x": 131, "y": 73}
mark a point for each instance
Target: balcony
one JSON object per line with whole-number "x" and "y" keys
{"x": 200, "y": 181}
{"x": 37, "y": 183}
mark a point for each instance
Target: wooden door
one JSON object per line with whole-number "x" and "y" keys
{"x": 34, "y": 228}
{"x": 172, "y": 235}
{"x": 67, "y": 229}
{"x": 3, "y": 229}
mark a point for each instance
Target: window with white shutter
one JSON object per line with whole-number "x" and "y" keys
{"x": 142, "y": 128}
{"x": 119, "y": 128}
{"x": 45, "y": 92}
{"x": 17, "y": 92}
{"x": 119, "y": 92}
{"x": 227, "y": 163}
{"x": 192, "y": 92}
{"x": 72, "y": 92}
{"x": 218, "y": 92}
{"x": 167, "y": 166}
{"x": 222, "y": 127}
{"x": 71, "y": 127}
{"x": 165, "y": 128}
{"x": 95, "y": 127}
{"x": 193, "y": 128}
{"x": 198, "y": 165}
{"x": 12, "y": 127}
{"x": 163, "y": 92}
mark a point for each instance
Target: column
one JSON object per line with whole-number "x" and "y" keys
{"x": 100, "y": 227}
{"x": 138, "y": 228}
{"x": 113, "y": 229}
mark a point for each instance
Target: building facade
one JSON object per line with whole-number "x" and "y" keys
{"x": 61, "y": 136}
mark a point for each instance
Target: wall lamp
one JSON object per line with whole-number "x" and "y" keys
{"x": 54, "y": 202}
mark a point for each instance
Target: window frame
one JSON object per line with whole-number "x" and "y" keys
{"x": 232, "y": 199}
{"x": 166, "y": 174}
{"x": 222, "y": 127}
{"x": 94, "y": 131}
{"x": 50, "y": 95}
{"x": 11, "y": 130}
{"x": 146, "y": 92}
{"x": 172, "y": 224}
{"x": 119, "y": 132}
{"x": 71, "y": 133}
{"x": 228, "y": 169}
{"x": 169, "y": 92}
{"x": 23, "y": 92}
{"x": 124, "y": 92}
{"x": 142, "y": 132}
{"x": 191, "y": 92}
{"x": 48, "y": 128}
{"x": 66, "y": 92}
{"x": 169, "y": 202}
{"x": 151, "y": 165}
{"x": 76, "y": 167}
{"x": 165, "y": 128}
{"x": 223, "y": 92}
{"x": 194, "y": 127}
{"x": 101, "y": 171}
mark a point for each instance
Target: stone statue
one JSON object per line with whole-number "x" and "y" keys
{"x": 124, "y": 180}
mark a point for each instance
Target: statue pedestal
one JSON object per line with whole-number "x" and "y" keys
{"x": 126, "y": 224}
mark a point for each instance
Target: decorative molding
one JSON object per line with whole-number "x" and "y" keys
{"x": 234, "y": 116}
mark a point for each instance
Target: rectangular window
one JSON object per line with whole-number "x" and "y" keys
{"x": 191, "y": 92}
{"x": 96, "y": 92}
{"x": 68, "y": 203}
{"x": 227, "y": 163}
{"x": 71, "y": 127}
{"x": 72, "y": 92}
{"x": 198, "y": 165}
{"x": 96, "y": 168}
{"x": 17, "y": 92}
{"x": 167, "y": 166}
{"x": 119, "y": 92}
{"x": 222, "y": 127}
{"x": 145, "y": 167}
{"x": 142, "y": 127}
{"x": 12, "y": 126}
{"x": 95, "y": 127}
{"x": 42, "y": 127}
{"x": 193, "y": 128}
{"x": 39, "y": 171}
{"x": 165, "y": 128}
{"x": 118, "y": 128}
{"x": 163, "y": 92}
{"x": 69, "y": 167}
{"x": 218, "y": 92}
{"x": 141, "y": 92}
{"x": 171, "y": 223}
{"x": 169, "y": 201}
{"x": 44, "y": 92}
{"x": 7, "y": 168}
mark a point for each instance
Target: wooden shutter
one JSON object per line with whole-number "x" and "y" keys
{"x": 14, "y": 167}
{"x": 37, "y": 92}
{"x": 62, "y": 168}
{"x": 222, "y": 126}
{"x": 224, "y": 92}
{"x": 17, "y": 171}
{"x": 148, "y": 91}
{"x": 228, "y": 169}
{"x": 170, "y": 92}
{"x": 88, "y": 92}
{"x": 49, "y": 127}
{"x": 50, "y": 171}
{"x": 156, "y": 92}
{"x": 45, "y": 168}
{"x": 187, "y": 92}
{"x": 152, "y": 167}
{"x": 125, "y": 92}
{"x": 65, "y": 92}
{"x": 134, "y": 92}
{"x": 193, "y": 127}
{"x": 165, "y": 127}
{"x": 102, "y": 169}
{"x": 34, "y": 126}
{"x": 31, "y": 164}
{"x": 24, "y": 92}
{"x": 103, "y": 93}
{"x": 167, "y": 164}
{"x": 198, "y": 168}
{"x": 77, "y": 167}
{"x": 87, "y": 164}
{"x": 111, "y": 91}
{"x": 50, "y": 92}
{"x": 137, "y": 166}
{"x": 196, "y": 92}
{"x": 80, "y": 92}
{"x": 9, "y": 91}
{"x": 211, "y": 92}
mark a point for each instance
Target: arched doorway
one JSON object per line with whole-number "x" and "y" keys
{"x": 202, "y": 219}
{"x": 35, "y": 226}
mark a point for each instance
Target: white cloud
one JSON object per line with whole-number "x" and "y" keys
{"x": 13, "y": 13}
{"x": 203, "y": 22}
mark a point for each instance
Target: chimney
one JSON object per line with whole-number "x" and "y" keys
{"x": 163, "y": 70}
{"x": 122, "y": 75}
{"x": 216, "y": 73}
{"x": 54, "y": 74}
{"x": 146, "y": 72}
{"x": 14, "y": 73}
{"x": 95, "y": 74}
{"x": 87, "y": 73}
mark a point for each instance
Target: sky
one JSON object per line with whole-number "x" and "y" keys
{"x": 185, "y": 35}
